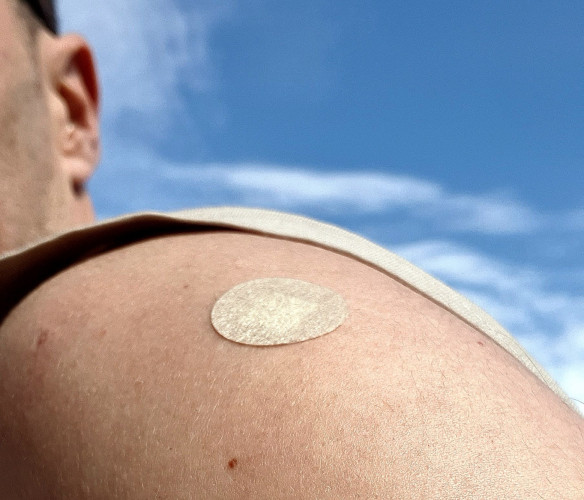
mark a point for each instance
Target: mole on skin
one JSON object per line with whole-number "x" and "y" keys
{"x": 42, "y": 339}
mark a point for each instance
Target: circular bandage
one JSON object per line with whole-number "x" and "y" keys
{"x": 275, "y": 311}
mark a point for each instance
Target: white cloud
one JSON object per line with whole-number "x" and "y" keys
{"x": 489, "y": 213}
{"x": 363, "y": 192}
{"x": 518, "y": 295}
{"x": 146, "y": 49}
{"x": 456, "y": 263}
{"x": 293, "y": 186}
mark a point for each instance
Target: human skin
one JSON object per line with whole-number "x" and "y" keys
{"x": 112, "y": 372}
{"x": 48, "y": 132}
{"x": 113, "y": 383}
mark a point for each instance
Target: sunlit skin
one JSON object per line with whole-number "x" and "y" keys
{"x": 114, "y": 384}
{"x": 48, "y": 132}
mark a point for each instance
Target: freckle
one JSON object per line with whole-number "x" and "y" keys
{"x": 102, "y": 333}
{"x": 42, "y": 339}
{"x": 187, "y": 286}
{"x": 232, "y": 463}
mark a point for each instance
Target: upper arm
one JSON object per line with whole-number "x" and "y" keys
{"x": 112, "y": 372}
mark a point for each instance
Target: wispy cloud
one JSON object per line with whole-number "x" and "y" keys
{"x": 292, "y": 186}
{"x": 455, "y": 262}
{"x": 364, "y": 192}
{"x": 525, "y": 297}
{"x": 358, "y": 192}
{"x": 147, "y": 49}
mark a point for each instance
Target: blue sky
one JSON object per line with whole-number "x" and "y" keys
{"x": 449, "y": 132}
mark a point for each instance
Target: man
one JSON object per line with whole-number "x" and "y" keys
{"x": 130, "y": 360}
{"x": 39, "y": 196}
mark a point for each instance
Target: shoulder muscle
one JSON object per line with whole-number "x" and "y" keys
{"x": 121, "y": 379}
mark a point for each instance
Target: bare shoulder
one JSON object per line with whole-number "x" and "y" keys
{"x": 112, "y": 371}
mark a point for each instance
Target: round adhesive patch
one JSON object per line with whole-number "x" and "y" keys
{"x": 275, "y": 311}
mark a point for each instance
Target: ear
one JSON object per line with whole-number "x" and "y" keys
{"x": 73, "y": 104}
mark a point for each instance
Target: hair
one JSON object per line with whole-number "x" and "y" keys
{"x": 37, "y": 14}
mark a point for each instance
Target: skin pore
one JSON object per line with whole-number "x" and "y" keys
{"x": 48, "y": 132}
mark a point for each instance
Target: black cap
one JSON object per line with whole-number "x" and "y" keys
{"x": 45, "y": 11}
